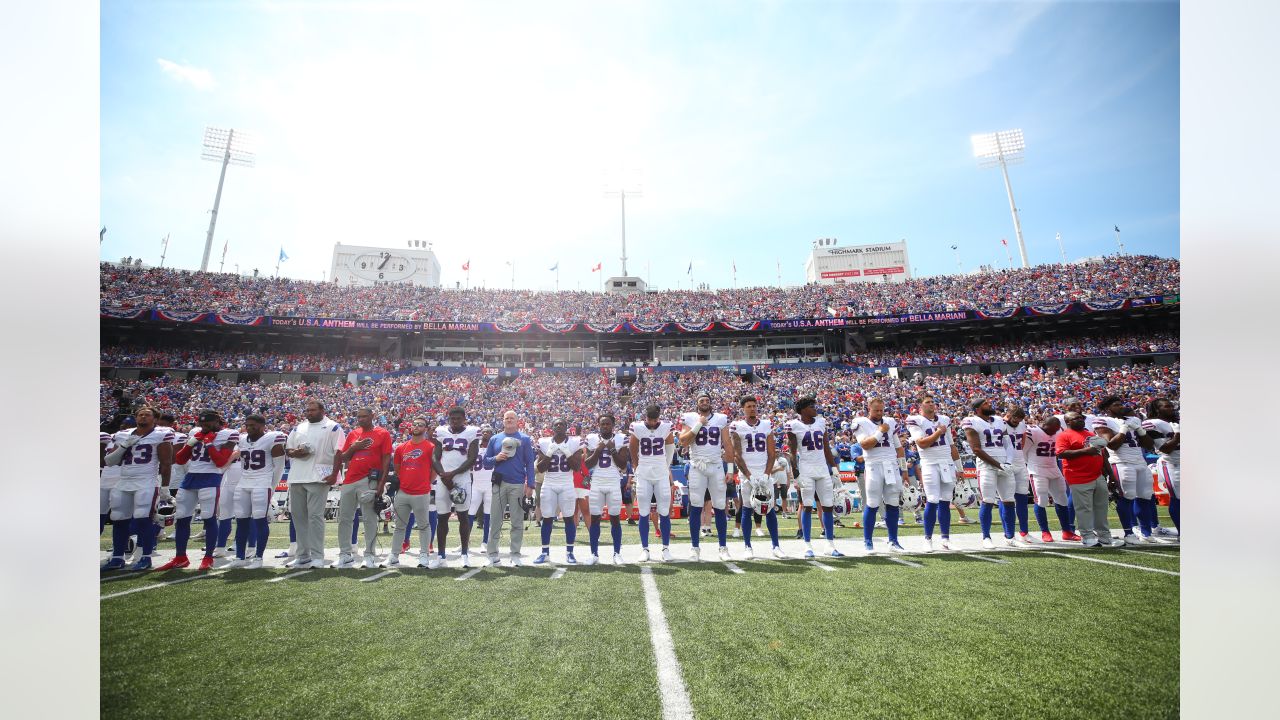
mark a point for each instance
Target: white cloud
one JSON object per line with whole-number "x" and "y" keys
{"x": 199, "y": 78}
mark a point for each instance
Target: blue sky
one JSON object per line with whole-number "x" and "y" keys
{"x": 493, "y": 129}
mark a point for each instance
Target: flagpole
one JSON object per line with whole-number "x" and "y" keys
{"x": 1061, "y": 250}
{"x": 223, "y": 261}
{"x": 165, "y": 248}
{"x": 1007, "y": 252}
{"x": 779, "y": 264}
{"x": 1118, "y": 241}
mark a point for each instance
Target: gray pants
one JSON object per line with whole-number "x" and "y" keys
{"x": 506, "y": 497}
{"x": 1090, "y": 500}
{"x": 306, "y": 507}
{"x": 420, "y": 506}
{"x": 349, "y": 497}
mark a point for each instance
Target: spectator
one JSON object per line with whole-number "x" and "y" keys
{"x": 1082, "y": 466}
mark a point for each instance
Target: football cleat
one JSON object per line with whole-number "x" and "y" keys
{"x": 1068, "y": 536}
{"x": 759, "y": 532}
{"x": 255, "y": 563}
{"x": 1046, "y": 536}
{"x": 928, "y": 545}
{"x": 964, "y": 521}
{"x": 617, "y": 558}
{"x": 1021, "y": 542}
{"x": 1024, "y": 538}
{"x": 1010, "y": 542}
{"x": 723, "y": 552}
{"x": 696, "y": 555}
{"x": 516, "y": 561}
{"x": 235, "y": 563}
{"x": 1131, "y": 539}
{"x": 315, "y": 565}
{"x": 144, "y": 563}
{"x": 541, "y": 559}
{"x": 896, "y": 547}
{"x": 749, "y": 554}
{"x": 777, "y": 553}
{"x": 737, "y": 532}
{"x": 369, "y": 563}
{"x": 946, "y": 543}
{"x": 1146, "y": 540}
{"x": 988, "y": 544}
{"x": 591, "y": 560}
{"x": 391, "y": 561}
{"x": 466, "y": 560}
{"x": 177, "y": 563}
{"x": 644, "y": 555}
{"x": 1165, "y": 532}
{"x": 1091, "y": 542}
{"x": 206, "y": 563}
{"x": 425, "y": 562}
{"x": 219, "y": 552}
{"x": 808, "y": 554}
{"x": 115, "y": 563}
{"x": 666, "y": 555}
{"x": 870, "y": 547}
{"x": 570, "y": 559}
{"x": 835, "y": 553}
{"x": 434, "y": 563}
{"x": 345, "y": 561}
{"x": 282, "y": 554}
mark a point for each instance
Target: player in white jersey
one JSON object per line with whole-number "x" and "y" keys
{"x": 931, "y": 432}
{"x": 1126, "y": 439}
{"x": 985, "y": 431}
{"x": 207, "y": 453}
{"x": 605, "y": 456}
{"x": 651, "y": 448}
{"x": 886, "y": 471}
{"x": 558, "y": 457}
{"x": 1163, "y": 427}
{"x": 756, "y": 456}
{"x": 457, "y": 447}
{"x": 815, "y": 467}
{"x": 1047, "y": 482}
{"x": 107, "y": 475}
{"x": 1015, "y": 440}
{"x": 481, "y": 485}
{"x": 226, "y": 511}
{"x": 704, "y": 434}
{"x": 261, "y": 465}
{"x": 141, "y": 454}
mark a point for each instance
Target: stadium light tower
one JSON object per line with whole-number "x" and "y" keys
{"x": 622, "y": 192}
{"x": 229, "y": 148}
{"x": 1002, "y": 148}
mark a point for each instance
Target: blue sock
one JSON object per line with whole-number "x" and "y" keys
{"x": 570, "y": 533}
{"x": 944, "y": 517}
{"x": 408, "y": 529}
{"x": 745, "y": 517}
{"x": 868, "y": 523}
{"x": 1064, "y": 517}
{"x": 1144, "y": 509}
{"x": 119, "y": 537}
{"x": 695, "y": 524}
{"x": 1071, "y": 509}
{"x": 181, "y": 534}
{"x": 664, "y": 529}
{"x": 210, "y": 536}
{"x": 224, "y": 532}
{"x": 293, "y": 534}
{"x": 1175, "y": 510}
{"x": 829, "y": 525}
{"x": 930, "y": 518}
{"x": 1042, "y": 518}
{"x": 593, "y": 533}
{"x": 546, "y": 535}
{"x": 242, "y": 536}
{"x": 891, "y": 513}
{"x": 1006, "y": 519}
{"x": 252, "y": 541}
{"x": 433, "y": 520}
{"x": 644, "y": 530}
{"x": 355, "y": 526}
{"x": 1020, "y": 502}
{"x": 261, "y": 531}
{"x": 102, "y": 522}
{"x": 722, "y": 524}
{"x": 615, "y": 529}
{"x": 486, "y": 528}
{"x": 146, "y": 532}
{"x": 771, "y": 522}
{"x": 806, "y": 519}
{"x": 1124, "y": 508}
{"x": 984, "y": 519}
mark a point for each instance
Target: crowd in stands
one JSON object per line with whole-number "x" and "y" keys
{"x": 1062, "y": 348}
{"x": 203, "y": 359}
{"x": 181, "y": 290}
{"x": 579, "y": 397}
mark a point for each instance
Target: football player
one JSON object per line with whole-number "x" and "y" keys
{"x": 457, "y": 446}
{"x": 1015, "y": 441}
{"x": 1126, "y": 439}
{"x": 704, "y": 435}
{"x": 558, "y": 457}
{"x": 226, "y": 505}
{"x": 107, "y": 474}
{"x": 261, "y": 464}
{"x": 650, "y": 451}
{"x": 985, "y": 431}
{"x": 206, "y": 453}
{"x": 1163, "y": 427}
{"x": 481, "y": 485}
{"x": 606, "y": 452}
{"x": 886, "y": 472}
{"x": 755, "y": 454}
{"x": 931, "y": 432}
{"x": 1047, "y": 481}
{"x": 142, "y": 454}
{"x": 811, "y": 456}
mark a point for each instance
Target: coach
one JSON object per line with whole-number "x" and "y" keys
{"x": 1082, "y": 466}
{"x": 513, "y": 481}
{"x": 312, "y": 447}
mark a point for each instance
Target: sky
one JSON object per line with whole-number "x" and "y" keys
{"x": 494, "y": 131}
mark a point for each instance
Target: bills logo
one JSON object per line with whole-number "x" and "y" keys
{"x": 413, "y": 454}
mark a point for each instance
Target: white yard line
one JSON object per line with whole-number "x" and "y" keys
{"x": 153, "y": 586}
{"x": 380, "y": 575}
{"x": 559, "y": 573}
{"x": 984, "y": 557}
{"x": 468, "y": 573}
{"x": 675, "y": 699}
{"x": 1078, "y": 556}
{"x": 109, "y": 578}
{"x": 735, "y": 569}
{"x": 1156, "y": 554}
{"x": 817, "y": 564}
{"x": 290, "y": 576}
{"x": 900, "y": 561}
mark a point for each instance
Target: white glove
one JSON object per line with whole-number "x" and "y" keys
{"x": 902, "y": 464}
{"x": 193, "y": 441}
{"x": 1096, "y": 441}
{"x": 835, "y": 473}
{"x": 1006, "y": 467}
{"x": 129, "y": 440}
{"x": 1132, "y": 423}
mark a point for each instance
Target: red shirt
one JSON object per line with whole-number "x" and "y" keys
{"x": 1079, "y": 470}
{"x": 413, "y": 465}
{"x": 370, "y": 458}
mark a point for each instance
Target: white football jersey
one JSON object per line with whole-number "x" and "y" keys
{"x": 1014, "y": 440}
{"x": 479, "y": 475}
{"x": 256, "y": 464}
{"x": 709, "y": 442}
{"x": 782, "y": 470}
{"x": 1041, "y": 455}
{"x": 919, "y": 426}
{"x": 886, "y": 443}
{"x": 140, "y": 463}
{"x": 1166, "y": 430}
{"x": 559, "y": 472}
{"x": 1130, "y": 451}
{"x": 991, "y": 435}
{"x": 652, "y": 444}
{"x": 455, "y": 446}
{"x": 1089, "y": 421}
{"x": 110, "y": 473}
{"x": 811, "y": 443}
{"x": 201, "y": 462}
{"x": 755, "y": 440}
{"x": 605, "y": 468}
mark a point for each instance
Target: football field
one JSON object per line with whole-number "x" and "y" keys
{"x": 1006, "y": 633}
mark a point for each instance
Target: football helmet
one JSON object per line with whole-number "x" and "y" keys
{"x": 842, "y": 505}
{"x": 964, "y": 495}
{"x": 458, "y": 496}
{"x": 166, "y": 509}
{"x": 381, "y": 502}
{"x": 912, "y": 500}
{"x": 761, "y": 501}
{"x": 526, "y": 503}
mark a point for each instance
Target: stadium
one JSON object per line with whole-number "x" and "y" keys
{"x": 867, "y": 491}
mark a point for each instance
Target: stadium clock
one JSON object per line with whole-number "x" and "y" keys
{"x": 382, "y": 267}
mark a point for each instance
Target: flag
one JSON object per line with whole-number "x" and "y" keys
{"x": 1117, "y": 229}
{"x": 1004, "y": 242}
{"x": 102, "y": 233}
{"x": 283, "y": 257}
{"x": 735, "y": 266}
{"x": 597, "y": 267}
{"x": 832, "y": 311}
{"x": 225, "y": 244}
{"x": 690, "y": 268}
{"x": 466, "y": 265}
{"x": 555, "y": 267}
